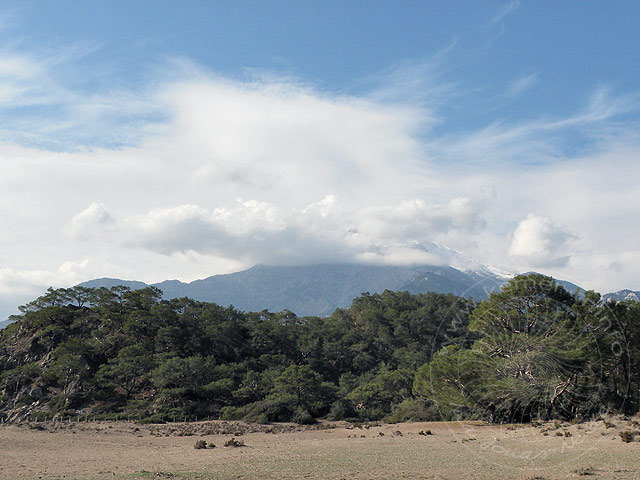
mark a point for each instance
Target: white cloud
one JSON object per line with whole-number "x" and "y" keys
{"x": 52, "y": 105}
{"x": 284, "y": 142}
{"x": 27, "y": 280}
{"x": 593, "y": 129}
{"x": 418, "y": 82}
{"x": 262, "y": 232}
{"x": 416, "y": 220}
{"x": 90, "y": 222}
{"x": 537, "y": 242}
{"x": 19, "y": 286}
{"x": 521, "y": 84}
{"x": 401, "y": 255}
{"x": 506, "y": 10}
{"x": 18, "y": 67}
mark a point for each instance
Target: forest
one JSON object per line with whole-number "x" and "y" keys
{"x": 532, "y": 351}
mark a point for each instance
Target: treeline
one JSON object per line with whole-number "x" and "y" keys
{"x": 540, "y": 353}
{"x": 532, "y": 350}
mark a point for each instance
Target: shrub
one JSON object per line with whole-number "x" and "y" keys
{"x": 232, "y": 442}
{"x": 627, "y": 436}
{"x": 156, "y": 418}
{"x": 232, "y": 413}
{"x": 303, "y": 417}
{"x": 262, "y": 419}
{"x": 341, "y": 409}
{"x": 271, "y": 410}
{"x": 584, "y": 471}
{"x": 413, "y": 410}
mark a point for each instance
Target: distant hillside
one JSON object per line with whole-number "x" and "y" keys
{"x": 114, "y": 282}
{"x": 320, "y": 289}
{"x": 621, "y": 295}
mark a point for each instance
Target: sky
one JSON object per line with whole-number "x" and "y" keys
{"x": 153, "y": 140}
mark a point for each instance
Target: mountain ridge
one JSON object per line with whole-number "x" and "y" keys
{"x": 320, "y": 289}
{"x": 621, "y": 296}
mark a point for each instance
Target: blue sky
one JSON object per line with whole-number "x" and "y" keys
{"x": 489, "y": 53}
{"x": 160, "y": 139}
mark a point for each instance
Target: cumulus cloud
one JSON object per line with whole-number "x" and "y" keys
{"x": 538, "y": 242}
{"x": 26, "y": 280}
{"x": 90, "y": 222}
{"x": 416, "y": 220}
{"x": 18, "y": 286}
{"x": 284, "y": 142}
{"x": 262, "y": 232}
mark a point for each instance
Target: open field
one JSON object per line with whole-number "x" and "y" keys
{"x": 454, "y": 450}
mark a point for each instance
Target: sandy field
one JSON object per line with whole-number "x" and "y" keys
{"x": 452, "y": 450}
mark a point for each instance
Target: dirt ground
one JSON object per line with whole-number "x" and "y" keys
{"x": 452, "y": 450}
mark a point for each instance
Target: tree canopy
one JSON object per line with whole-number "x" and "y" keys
{"x": 531, "y": 350}
{"x": 540, "y": 352}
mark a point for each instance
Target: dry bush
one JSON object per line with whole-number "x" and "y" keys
{"x": 232, "y": 442}
{"x": 200, "y": 444}
{"x": 584, "y": 471}
{"x": 627, "y": 436}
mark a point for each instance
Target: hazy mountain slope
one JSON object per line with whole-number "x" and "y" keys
{"x": 113, "y": 282}
{"x": 449, "y": 280}
{"x": 621, "y": 295}
{"x": 316, "y": 289}
{"x": 320, "y": 289}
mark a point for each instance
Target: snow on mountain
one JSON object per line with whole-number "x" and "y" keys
{"x": 621, "y": 296}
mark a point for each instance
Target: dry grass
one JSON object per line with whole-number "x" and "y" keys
{"x": 126, "y": 451}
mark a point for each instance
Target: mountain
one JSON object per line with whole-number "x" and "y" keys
{"x": 320, "y": 289}
{"x": 113, "y": 282}
{"x": 621, "y": 295}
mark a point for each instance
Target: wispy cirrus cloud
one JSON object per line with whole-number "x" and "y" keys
{"x": 506, "y": 10}
{"x": 521, "y": 84}
{"x": 539, "y": 140}
{"x": 50, "y": 94}
{"x": 418, "y": 82}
